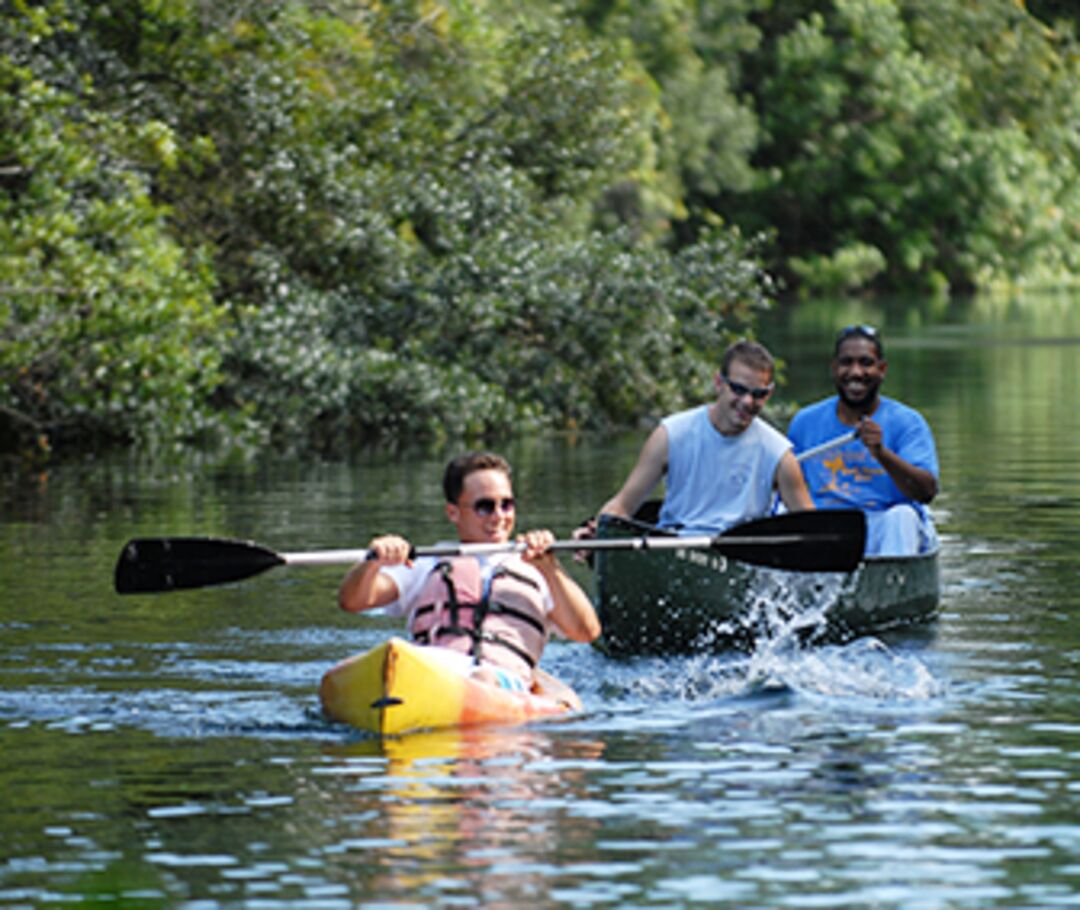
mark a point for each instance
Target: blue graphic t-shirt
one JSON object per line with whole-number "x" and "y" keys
{"x": 848, "y": 476}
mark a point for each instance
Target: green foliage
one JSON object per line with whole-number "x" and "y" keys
{"x": 401, "y": 241}
{"x": 941, "y": 134}
{"x": 105, "y": 321}
{"x": 537, "y": 333}
{"x": 958, "y": 166}
{"x": 844, "y": 271}
{"x": 1017, "y": 91}
{"x": 690, "y": 49}
{"x": 418, "y": 220}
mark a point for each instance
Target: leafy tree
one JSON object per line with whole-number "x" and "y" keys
{"x": 418, "y": 221}
{"x": 856, "y": 135}
{"x": 1017, "y": 89}
{"x": 880, "y": 137}
{"x": 341, "y": 221}
{"x": 480, "y": 300}
{"x": 690, "y": 49}
{"x": 106, "y": 323}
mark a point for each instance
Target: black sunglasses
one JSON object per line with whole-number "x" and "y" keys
{"x": 486, "y": 506}
{"x": 739, "y": 390}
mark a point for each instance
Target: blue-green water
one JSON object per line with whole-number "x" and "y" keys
{"x": 168, "y": 750}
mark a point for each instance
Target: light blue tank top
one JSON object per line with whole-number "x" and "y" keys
{"x": 716, "y": 481}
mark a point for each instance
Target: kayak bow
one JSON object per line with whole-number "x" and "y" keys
{"x": 399, "y": 687}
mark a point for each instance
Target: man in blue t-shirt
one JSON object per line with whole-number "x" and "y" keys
{"x": 889, "y": 469}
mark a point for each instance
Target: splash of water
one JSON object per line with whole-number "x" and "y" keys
{"x": 786, "y": 623}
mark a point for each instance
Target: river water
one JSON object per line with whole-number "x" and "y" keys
{"x": 168, "y": 751}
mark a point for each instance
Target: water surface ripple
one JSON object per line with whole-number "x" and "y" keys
{"x": 168, "y": 751}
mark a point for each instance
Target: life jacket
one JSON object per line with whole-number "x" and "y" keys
{"x": 498, "y": 619}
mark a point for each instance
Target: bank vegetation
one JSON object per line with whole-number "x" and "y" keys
{"x": 320, "y": 224}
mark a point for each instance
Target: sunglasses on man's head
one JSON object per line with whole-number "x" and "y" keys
{"x": 739, "y": 390}
{"x": 860, "y": 331}
{"x": 867, "y": 331}
{"x": 487, "y": 506}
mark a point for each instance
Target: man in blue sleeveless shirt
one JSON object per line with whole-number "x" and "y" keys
{"x": 890, "y": 470}
{"x": 723, "y": 462}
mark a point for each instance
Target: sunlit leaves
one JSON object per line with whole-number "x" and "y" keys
{"x": 916, "y": 128}
{"x": 413, "y": 220}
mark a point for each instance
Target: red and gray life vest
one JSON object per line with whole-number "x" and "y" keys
{"x": 498, "y": 619}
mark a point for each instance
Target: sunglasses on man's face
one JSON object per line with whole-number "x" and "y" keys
{"x": 739, "y": 390}
{"x": 487, "y": 506}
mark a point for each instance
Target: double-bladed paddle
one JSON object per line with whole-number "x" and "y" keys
{"x": 823, "y": 541}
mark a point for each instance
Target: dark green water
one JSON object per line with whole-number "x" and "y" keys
{"x": 167, "y": 751}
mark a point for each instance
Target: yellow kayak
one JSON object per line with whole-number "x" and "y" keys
{"x": 399, "y": 687}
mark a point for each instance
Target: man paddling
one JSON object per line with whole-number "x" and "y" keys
{"x": 722, "y": 460}
{"x": 500, "y": 608}
{"x": 890, "y": 470}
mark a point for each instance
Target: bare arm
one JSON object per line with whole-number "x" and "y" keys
{"x": 364, "y": 586}
{"x": 643, "y": 477}
{"x": 572, "y": 611}
{"x": 792, "y": 484}
{"x": 914, "y": 482}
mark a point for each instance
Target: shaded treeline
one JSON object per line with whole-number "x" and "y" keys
{"x": 313, "y": 224}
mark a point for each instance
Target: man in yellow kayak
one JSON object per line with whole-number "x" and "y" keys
{"x": 499, "y": 607}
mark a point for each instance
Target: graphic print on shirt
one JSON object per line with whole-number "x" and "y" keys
{"x": 849, "y": 472}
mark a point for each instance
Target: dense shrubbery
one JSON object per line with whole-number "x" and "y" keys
{"x": 921, "y": 145}
{"x": 319, "y": 224}
{"x": 935, "y": 133}
{"x": 108, "y": 327}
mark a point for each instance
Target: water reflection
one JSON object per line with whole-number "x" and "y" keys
{"x": 480, "y": 813}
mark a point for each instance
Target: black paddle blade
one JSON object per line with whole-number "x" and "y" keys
{"x": 826, "y": 540}
{"x": 156, "y": 564}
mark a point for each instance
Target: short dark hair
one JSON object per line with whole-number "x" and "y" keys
{"x": 860, "y": 331}
{"x": 751, "y": 353}
{"x": 464, "y": 465}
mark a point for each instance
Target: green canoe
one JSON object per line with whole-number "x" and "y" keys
{"x": 674, "y": 601}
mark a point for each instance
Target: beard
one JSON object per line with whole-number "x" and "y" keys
{"x": 861, "y": 400}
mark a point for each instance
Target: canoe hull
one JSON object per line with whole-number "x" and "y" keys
{"x": 691, "y": 601}
{"x": 399, "y": 687}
